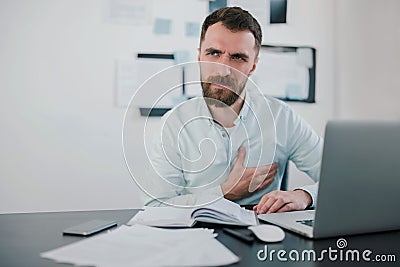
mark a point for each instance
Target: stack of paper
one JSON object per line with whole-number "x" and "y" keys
{"x": 141, "y": 245}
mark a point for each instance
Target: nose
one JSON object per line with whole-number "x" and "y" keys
{"x": 223, "y": 68}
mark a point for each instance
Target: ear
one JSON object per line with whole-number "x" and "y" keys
{"x": 198, "y": 54}
{"x": 254, "y": 66}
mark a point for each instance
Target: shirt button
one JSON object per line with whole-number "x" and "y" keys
{"x": 224, "y": 135}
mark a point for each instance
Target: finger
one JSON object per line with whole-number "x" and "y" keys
{"x": 279, "y": 203}
{"x": 262, "y": 202}
{"x": 266, "y": 181}
{"x": 260, "y": 182}
{"x": 266, "y": 168}
{"x": 271, "y": 175}
{"x": 273, "y": 167}
{"x": 258, "y": 178}
{"x": 255, "y": 207}
{"x": 263, "y": 170}
{"x": 267, "y": 205}
{"x": 271, "y": 171}
{"x": 285, "y": 208}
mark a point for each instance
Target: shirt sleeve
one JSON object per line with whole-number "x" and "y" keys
{"x": 305, "y": 151}
{"x": 313, "y": 191}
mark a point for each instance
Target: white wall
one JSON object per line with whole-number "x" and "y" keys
{"x": 60, "y": 137}
{"x": 367, "y": 46}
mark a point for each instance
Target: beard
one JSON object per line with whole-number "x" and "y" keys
{"x": 219, "y": 97}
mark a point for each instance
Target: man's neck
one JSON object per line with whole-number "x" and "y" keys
{"x": 226, "y": 116}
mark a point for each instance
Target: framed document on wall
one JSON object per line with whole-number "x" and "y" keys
{"x": 287, "y": 72}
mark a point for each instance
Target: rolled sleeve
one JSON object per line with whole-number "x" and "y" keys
{"x": 313, "y": 191}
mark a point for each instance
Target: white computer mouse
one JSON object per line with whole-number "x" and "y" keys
{"x": 267, "y": 232}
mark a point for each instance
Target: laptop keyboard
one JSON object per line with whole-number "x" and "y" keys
{"x": 307, "y": 222}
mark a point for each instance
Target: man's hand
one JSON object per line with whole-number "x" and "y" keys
{"x": 241, "y": 180}
{"x": 281, "y": 201}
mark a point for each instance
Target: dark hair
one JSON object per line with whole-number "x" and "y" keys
{"x": 235, "y": 19}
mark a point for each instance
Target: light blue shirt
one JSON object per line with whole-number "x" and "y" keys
{"x": 192, "y": 155}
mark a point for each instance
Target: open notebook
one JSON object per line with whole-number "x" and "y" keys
{"x": 222, "y": 211}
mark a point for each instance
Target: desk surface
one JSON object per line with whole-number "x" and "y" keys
{"x": 24, "y": 236}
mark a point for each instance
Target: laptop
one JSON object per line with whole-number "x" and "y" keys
{"x": 359, "y": 187}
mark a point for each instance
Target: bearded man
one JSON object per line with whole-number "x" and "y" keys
{"x": 233, "y": 142}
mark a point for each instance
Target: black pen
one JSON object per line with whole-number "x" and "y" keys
{"x": 239, "y": 235}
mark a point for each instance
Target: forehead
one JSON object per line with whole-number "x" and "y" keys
{"x": 220, "y": 37}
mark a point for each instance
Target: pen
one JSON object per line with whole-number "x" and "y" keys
{"x": 241, "y": 236}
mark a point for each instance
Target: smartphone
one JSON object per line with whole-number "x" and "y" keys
{"x": 243, "y": 234}
{"x": 89, "y": 228}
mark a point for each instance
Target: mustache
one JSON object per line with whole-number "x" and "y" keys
{"x": 222, "y": 80}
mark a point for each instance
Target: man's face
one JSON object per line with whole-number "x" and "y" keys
{"x": 236, "y": 57}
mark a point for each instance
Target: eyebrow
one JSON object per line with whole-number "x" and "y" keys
{"x": 211, "y": 49}
{"x": 242, "y": 55}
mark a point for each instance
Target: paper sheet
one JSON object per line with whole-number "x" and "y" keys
{"x": 163, "y": 216}
{"x": 162, "y": 26}
{"x": 283, "y": 75}
{"x": 131, "y": 77}
{"x": 141, "y": 245}
{"x": 134, "y": 12}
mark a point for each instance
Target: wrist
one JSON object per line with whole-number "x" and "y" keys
{"x": 227, "y": 192}
{"x": 306, "y": 197}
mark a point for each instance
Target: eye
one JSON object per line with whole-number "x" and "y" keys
{"x": 238, "y": 58}
{"x": 213, "y": 53}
